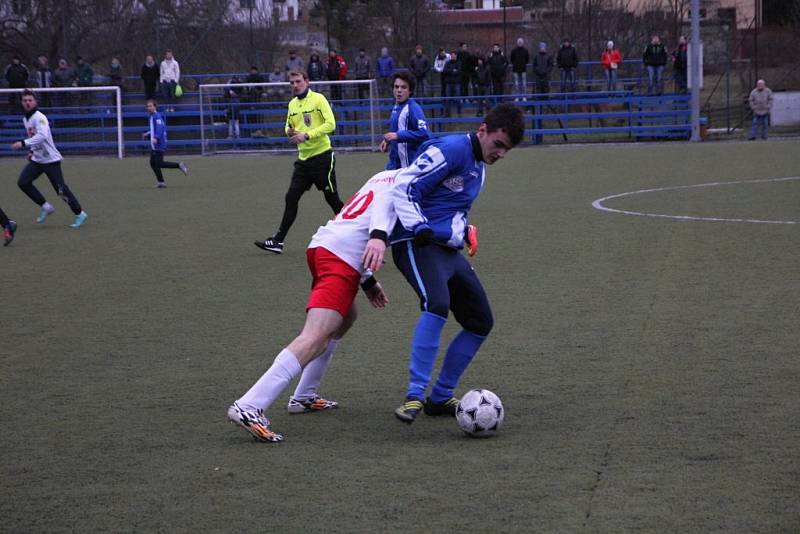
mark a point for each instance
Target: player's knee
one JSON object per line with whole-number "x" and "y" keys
{"x": 436, "y": 307}
{"x": 480, "y": 325}
{"x": 293, "y": 196}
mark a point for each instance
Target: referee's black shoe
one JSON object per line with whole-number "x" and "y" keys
{"x": 271, "y": 245}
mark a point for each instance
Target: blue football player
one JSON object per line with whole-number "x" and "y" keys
{"x": 157, "y": 133}
{"x": 407, "y": 126}
{"x": 432, "y": 198}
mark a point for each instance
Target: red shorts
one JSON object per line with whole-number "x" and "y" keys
{"x": 335, "y": 283}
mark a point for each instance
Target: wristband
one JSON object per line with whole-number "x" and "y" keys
{"x": 369, "y": 283}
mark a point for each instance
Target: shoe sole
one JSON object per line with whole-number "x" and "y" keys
{"x": 262, "y": 246}
{"x": 272, "y": 437}
{"x": 294, "y": 410}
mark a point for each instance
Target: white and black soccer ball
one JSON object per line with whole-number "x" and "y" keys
{"x": 480, "y": 413}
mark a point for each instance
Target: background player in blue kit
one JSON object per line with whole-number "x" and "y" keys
{"x": 158, "y": 145}
{"x": 407, "y": 126}
{"x": 432, "y": 198}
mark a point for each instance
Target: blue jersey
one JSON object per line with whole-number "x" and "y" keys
{"x": 438, "y": 189}
{"x": 408, "y": 121}
{"x": 158, "y": 132}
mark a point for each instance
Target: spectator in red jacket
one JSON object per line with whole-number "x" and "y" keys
{"x": 611, "y": 58}
{"x": 336, "y": 69}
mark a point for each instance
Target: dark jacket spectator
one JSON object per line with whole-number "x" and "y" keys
{"x": 452, "y": 70}
{"x": 655, "y": 55}
{"x": 16, "y": 74}
{"x": 362, "y": 67}
{"x": 519, "y": 59}
{"x": 115, "y": 72}
{"x": 567, "y": 57}
{"x": 497, "y": 63}
{"x": 316, "y": 70}
{"x": 680, "y": 58}
{"x": 254, "y": 77}
{"x": 419, "y": 65}
{"x": 84, "y": 73}
{"x": 150, "y": 74}
{"x": 542, "y": 64}
{"x": 64, "y": 75}
{"x": 482, "y": 76}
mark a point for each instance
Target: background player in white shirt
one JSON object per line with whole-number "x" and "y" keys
{"x": 342, "y": 254}
{"x": 44, "y": 158}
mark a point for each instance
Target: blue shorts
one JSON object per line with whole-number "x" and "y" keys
{"x": 445, "y": 281}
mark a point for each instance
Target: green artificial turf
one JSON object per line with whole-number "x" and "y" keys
{"x": 649, "y": 366}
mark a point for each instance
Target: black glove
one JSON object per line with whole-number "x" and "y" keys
{"x": 423, "y": 236}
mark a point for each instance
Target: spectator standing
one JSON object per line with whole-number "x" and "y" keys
{"x": 336, "y": 69}
{"x": 761, "y": 104}
{"x": 363, "y": 71}
{"x": 497, "y": 66}
{"x": 419, "y": 67}
{"x": 452, "y": 82}
{"x": 680, "y": 63}
{"x": 468, "y": 64}
{"x": 567, "y": 61}
{"x": 482, "y": 84}
{"x": 294, "y": 62}
{"x": 233, "y": 95}
{"x": 63, "y": 76}
{"x": 519, "y": 66}
{"x": 254, "y": 77}
{"x": 316, "y": 70}
{"x": 85, "y": 77}
{"x": 655, "y": 58}
{"x": 277, "y": 75}
{"x": 610, "y": 59}
{"x": 439, "y": 61}
{"x": 170, "y": 77}
{"x": 542, "y": 66}
{"x": 115, "y": 72}
{"x": 44, "y": 78}
{"x": 149, "y": 74}
{"x": 16, "y": 75}
{"x": 385, "y": 68}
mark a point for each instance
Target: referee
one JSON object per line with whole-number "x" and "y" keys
{"x": 308, "y": 124}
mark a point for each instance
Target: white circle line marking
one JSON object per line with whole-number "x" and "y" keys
{"x": 598, "y": 204}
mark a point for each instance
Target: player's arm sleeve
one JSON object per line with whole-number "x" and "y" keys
{"x": 416, "y": 181}
{"x": 288, "y": 122}
{"x": 177, "y": 71}
{"x": 328, "y": 121}
{"x": 419, "y": 134}
{"x": 383, "y": 216}
{"x": 41, "y": 135}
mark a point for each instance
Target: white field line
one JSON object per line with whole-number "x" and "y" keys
{"x": 598, "y": 204}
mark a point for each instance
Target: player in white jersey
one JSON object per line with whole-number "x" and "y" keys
{"x": 342, "y": 254}
{"x": 44, "y": 158}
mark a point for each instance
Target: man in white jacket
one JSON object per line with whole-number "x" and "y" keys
{"x": 170, "y": 77}
{"x": 44, "y": 158}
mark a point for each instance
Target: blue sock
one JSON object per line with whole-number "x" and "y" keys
{"x": 460, "y": 352}
{"x": 424, "y": 348}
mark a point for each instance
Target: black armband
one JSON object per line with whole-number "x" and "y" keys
{"x": 369, "y": 283}
{"x": 379, "y": 234}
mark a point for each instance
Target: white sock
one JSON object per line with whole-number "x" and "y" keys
{"x": 312, "y": 375}
{"x": 47, "y": 206}
{"x": 272, "y": 383}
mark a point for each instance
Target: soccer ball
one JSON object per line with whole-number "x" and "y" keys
{"x": 480, "y": 413}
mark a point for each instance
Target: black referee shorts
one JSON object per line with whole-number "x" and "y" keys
{"x": 319, "y": 171}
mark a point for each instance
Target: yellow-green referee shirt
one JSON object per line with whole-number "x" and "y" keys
{"x": 311, "y": 115}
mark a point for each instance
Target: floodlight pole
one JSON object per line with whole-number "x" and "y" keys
{"x": 695, "y": 74}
